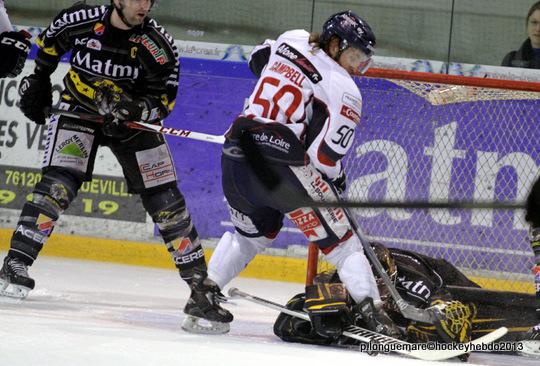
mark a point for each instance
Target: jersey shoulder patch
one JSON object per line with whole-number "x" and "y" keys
{"x": 73, "y": 16}
{"x": 299, "y": 60}
{"x": 158, "y": 31}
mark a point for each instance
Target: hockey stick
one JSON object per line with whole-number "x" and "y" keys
{"x": 219, "y": 139}
{"x": 367, "y": 336}
{"x": 430, "y": 315}
{"x": 170, "y": 131}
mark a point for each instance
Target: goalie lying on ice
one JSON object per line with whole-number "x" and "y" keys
{"x": 470, "y": 311}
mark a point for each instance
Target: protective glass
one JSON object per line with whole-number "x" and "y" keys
{"x": 358, "y": 57}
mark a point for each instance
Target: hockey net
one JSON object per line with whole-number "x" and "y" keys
{"x": 440, "y": 138}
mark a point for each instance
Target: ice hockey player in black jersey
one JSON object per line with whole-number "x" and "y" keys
{"x": 470, "y": 311}
{"x": 124, "y": 66}
{"x": 14, "y": 46}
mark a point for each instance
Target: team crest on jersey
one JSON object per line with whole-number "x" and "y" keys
{"x": 290, "y": 53}
{"x": 99, "y": 29}
{"x": 93, "y": 44}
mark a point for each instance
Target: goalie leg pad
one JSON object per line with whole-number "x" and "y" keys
{"x": 328, "y": 310}
{"x": 292, "y": 329}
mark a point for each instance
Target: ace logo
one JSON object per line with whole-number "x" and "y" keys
{"x": 81, "y": 41}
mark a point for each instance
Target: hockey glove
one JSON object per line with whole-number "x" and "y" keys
{"x": 36, "y": 95}
{"x": 128, "y": 111}
{"x": 328, "y": 310}
{"x": 340, "y": 182}
{"x": 14, "y": 48}
{"x": 532, "y": 207}
{"x": 456, "y": 326}
{"x": 114, "y": 126}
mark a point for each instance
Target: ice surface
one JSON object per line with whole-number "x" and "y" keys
{"x": 89, "y": 313}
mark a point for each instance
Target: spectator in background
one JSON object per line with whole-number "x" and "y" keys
{"x": 528, "y": 56}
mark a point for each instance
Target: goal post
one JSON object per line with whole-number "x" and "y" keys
{"x": 440, "y": 138}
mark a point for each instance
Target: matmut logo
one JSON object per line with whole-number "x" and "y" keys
{"x": 350, "y": 113}
{"x": 84, "y": 61}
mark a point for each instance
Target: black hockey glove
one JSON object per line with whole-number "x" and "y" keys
{"x": 328, "y": 310}
{"x": 340, "y": 182}
{"x": 114, "y": 126}
{"x": 36, "y": 95}
{"x": 14, "y": 48}
{"x": 128, "y": 111}
{"x": 532, "y": 207}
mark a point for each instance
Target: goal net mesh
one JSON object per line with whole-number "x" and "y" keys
{"x": 437, "y": 142}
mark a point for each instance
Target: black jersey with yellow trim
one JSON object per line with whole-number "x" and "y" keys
{"x": 140, "y": 63}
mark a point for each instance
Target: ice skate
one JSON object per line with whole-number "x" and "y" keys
{"x": 375, "y": 318}
{"x": 14, "y": 279}
{"x": 203, "y": 313}
{"x": 531, "y": 344}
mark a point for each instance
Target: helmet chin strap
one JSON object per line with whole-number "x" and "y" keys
{"x": 119, "y": 10}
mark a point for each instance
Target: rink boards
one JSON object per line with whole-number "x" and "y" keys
{"x": 107, "y": 223}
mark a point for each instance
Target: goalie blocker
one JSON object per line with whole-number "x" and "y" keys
{"x": 469, "y": 311}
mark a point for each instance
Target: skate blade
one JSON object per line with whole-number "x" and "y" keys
{"x": 14, "y": 291}
{"x": 530, "y": 349}
{"x": 193, "y": 324}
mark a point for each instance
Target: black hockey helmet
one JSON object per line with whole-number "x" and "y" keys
{"x": 351, "y": 30}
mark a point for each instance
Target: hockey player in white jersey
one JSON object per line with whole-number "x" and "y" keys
{"x": 14, "y": 46}
{"x": 288, "y": 143}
